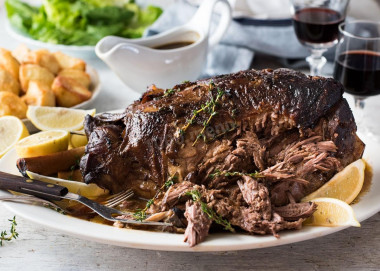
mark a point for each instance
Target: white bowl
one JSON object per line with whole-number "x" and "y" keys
{"x": 85, "y": 51}
{"x": 82, "y": 51}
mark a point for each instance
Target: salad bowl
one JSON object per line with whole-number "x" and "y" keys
{"x": 74, "y": 27}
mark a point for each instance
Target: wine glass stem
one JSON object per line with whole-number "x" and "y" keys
{"x": 316, "y": 61}
{"x": 359, "y": 105}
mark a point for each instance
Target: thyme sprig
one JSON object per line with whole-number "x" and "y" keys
{"x": 218, "y": 173}
{"x": 170, "y": 92}
{"x": 13, "y": 233}
{"x": 197, "y": 197}
{"x": 140, "y": 214}
{"x": 210, "y": 108}
{"x": 170, "y": 182}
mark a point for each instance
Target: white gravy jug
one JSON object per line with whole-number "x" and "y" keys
{"x": 140, "y": 63}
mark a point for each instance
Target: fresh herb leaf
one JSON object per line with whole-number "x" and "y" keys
{"x": 169, "y": 92}
{"x": 210, "y": 108}
{"x": 140, "y": 214}
{"x": 170, "y": 181}
{"x": 218, "y": 173}
{"x": 13, "y": 233}
{"x": 197, "y": 197}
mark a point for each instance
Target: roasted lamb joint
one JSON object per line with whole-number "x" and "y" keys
{"x": 296, "y": 131}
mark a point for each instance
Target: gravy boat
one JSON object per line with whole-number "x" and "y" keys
{"x": 138, "y": 62}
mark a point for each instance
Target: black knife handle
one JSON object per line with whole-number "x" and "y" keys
{"x": 31, "y": 187}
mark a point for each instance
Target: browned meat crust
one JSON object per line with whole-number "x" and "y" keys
{"x": 296, "y": 130}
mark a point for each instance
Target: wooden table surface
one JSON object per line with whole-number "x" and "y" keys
{"x": 39, "y": 248}
{"x": 42, "y": 249}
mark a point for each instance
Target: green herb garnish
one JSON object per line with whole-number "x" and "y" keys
{"x": 140, "y": 214}
{"x": 13, "y": 233}
{"x": 218, "y": 173}
{"x": 196, "y": 196}
{"x": 209, "y": 108}
{"x": 170, "y": 181}
{"x": 170, "y": 92}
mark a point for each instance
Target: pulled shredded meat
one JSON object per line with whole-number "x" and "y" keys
{"x": 198, "y": 223}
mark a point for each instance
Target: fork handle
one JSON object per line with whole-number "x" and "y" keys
{"x": 31, "y": 187}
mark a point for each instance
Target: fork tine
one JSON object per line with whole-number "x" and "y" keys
{"x": 118, "y": 198}
{"x": 118, "y": 194}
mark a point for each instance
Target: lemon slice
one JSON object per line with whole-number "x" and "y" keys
{"x": 48, "y": 118}
{"x": 345, "y": 185}
{"x": 12, "y": 129}
{"x": 43, "y": 143}
{"x": 332, "y": 213}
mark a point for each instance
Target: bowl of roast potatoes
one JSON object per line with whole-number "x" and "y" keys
{"x": 44, "y": 78}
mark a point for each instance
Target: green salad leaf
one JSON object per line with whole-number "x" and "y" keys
{"x": 81, "y": 22}
{"x": 20, "y": 15}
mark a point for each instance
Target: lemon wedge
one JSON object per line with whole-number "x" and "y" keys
{"x": 48, "y": 118}
{"x": 345, "y": 185}
{"x": 332, "y": 213}
{"x": 77, "y": 141}
{"x": 12, "y": 129}
{"x": 43, "y": 143}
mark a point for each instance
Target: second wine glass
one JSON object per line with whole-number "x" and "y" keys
{"x": 316, "y": 26}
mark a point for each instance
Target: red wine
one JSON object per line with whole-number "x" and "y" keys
{"x": 359, "y": 72}
{"x": 317, "y": 25}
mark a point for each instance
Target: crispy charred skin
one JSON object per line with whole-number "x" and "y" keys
{"x": 147, "y": 147}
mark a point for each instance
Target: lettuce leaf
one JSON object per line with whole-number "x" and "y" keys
{"x": 81, "y": 22}
{"x": 20, "y": 14}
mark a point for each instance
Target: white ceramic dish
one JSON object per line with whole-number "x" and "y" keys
{"x": 78, "y": 51}
{"x": 367, "y": 206}
{"x": 95, "y": 88}
{"x": 138, "y": 63}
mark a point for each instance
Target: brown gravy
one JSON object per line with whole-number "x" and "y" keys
{"x": 173, "y": 45}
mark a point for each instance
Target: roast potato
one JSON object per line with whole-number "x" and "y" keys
{"x": 44, "y": 59}
{"x": 39, "y": 94}
{"x": 78, "y": 75}
{"x": 12, "y": 105}
{"x": 69, "y": 62}
{"x": 69, "y": 92}
{"x": 21, "y": 53}
{"x": 9, "y": 63}
{"x": 8, "y": 83}
{"x": 33, "y": 72}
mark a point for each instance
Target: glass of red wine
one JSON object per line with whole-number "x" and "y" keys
{"x": 357, "y": 64}
{"x": 316, "y": 25}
